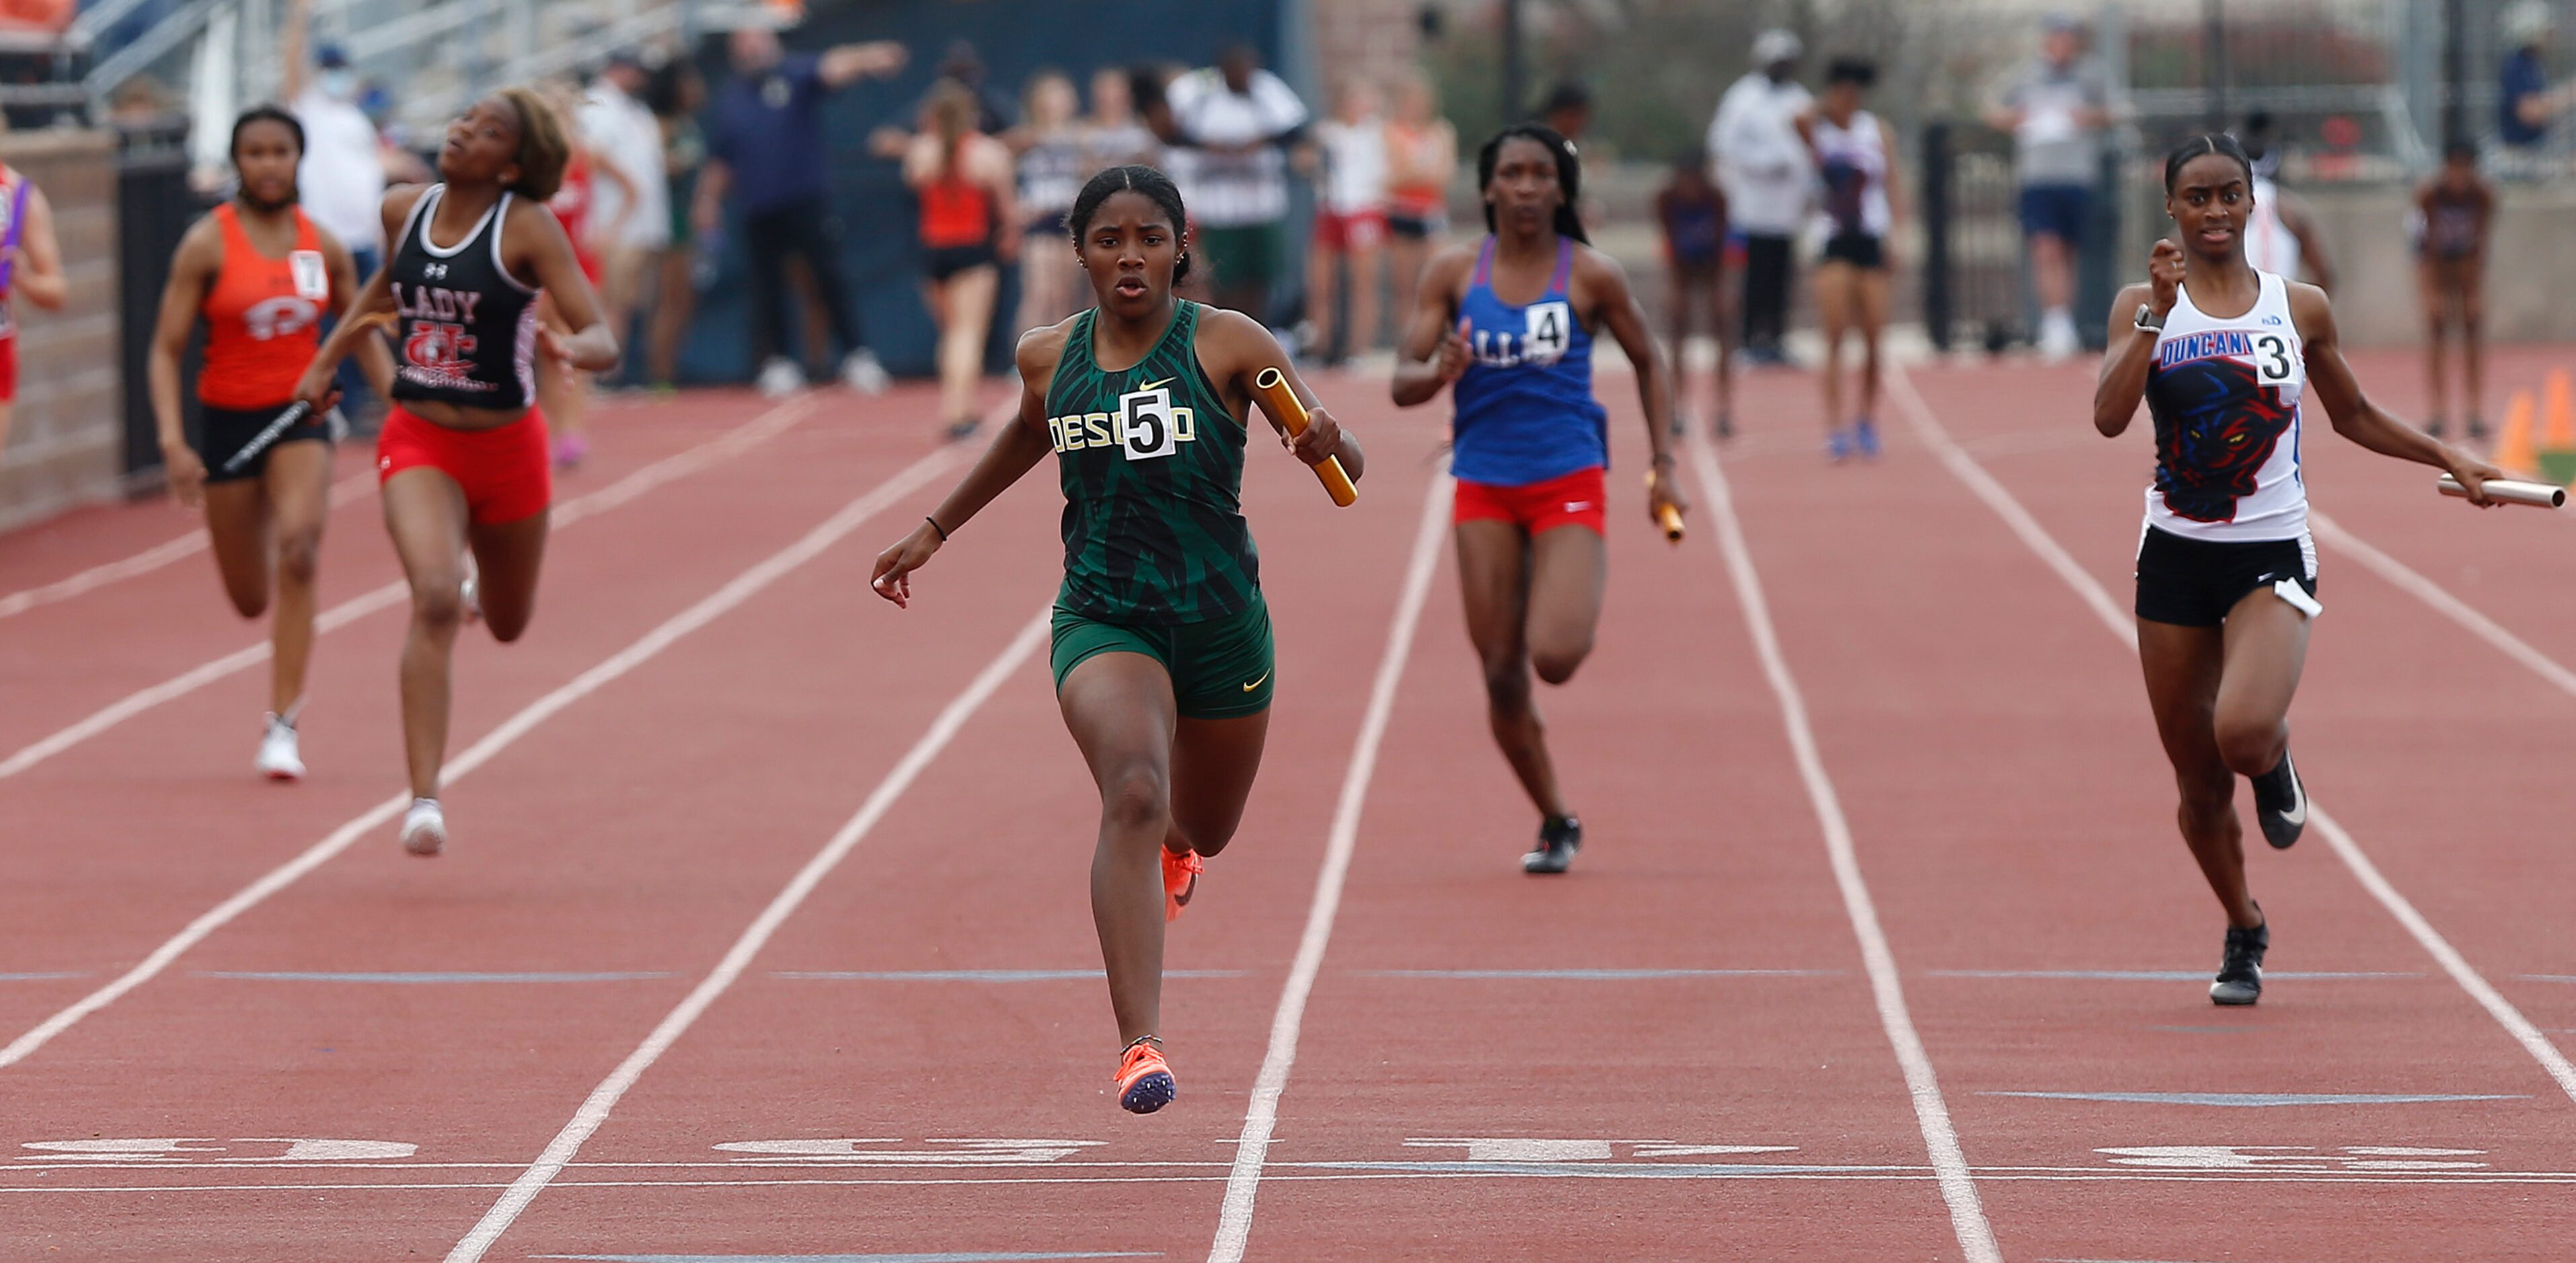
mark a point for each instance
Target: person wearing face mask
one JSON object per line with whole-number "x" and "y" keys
{"x": 341, "y": 180}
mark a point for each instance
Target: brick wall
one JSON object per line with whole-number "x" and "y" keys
{"x": 66, "y": 441}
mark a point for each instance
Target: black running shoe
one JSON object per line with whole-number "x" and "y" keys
{"x": 1559, "y": 837}
{"x": 2433, "y": 428}
{"x": 2477, "y": 430}
{"x": 2281, "y": 804}
{"x": 2240, "y": 974}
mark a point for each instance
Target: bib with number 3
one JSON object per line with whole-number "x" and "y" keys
{"x": 2276, "y": 359}
{"x": 312, "y": 278}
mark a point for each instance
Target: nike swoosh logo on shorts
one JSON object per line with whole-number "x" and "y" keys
{"x": 1256, "y": 683}
{"x": 1577, "y": 506}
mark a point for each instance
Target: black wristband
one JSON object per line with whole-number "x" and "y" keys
{"x": 934, "y": 525}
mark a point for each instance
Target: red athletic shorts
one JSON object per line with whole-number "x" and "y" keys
{"x": 1359, "y": 230}
{"x": 1573, "y": 500}
{"x": 507, "y": 471}
{"x": 8, "y": 367}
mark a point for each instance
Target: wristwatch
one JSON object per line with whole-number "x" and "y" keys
{"x": 2148, "y": 320}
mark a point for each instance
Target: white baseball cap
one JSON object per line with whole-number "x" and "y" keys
{"x": 1774, "y": 46}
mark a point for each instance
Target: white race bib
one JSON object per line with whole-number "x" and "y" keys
{"x": 1550, "y": 329}
{"x": 312, "y": 278}
{"x": 1150, "y": 427}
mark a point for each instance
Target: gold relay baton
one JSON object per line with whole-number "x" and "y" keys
{"x": 1281, "y": 402}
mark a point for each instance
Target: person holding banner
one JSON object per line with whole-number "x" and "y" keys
{"x": 1508, "y": 325}
{"x": 1161, "y": 640}
{"x": 2226, "y": 358}
{"x": 262, "y": 276}
{"x": 30, "y": 263}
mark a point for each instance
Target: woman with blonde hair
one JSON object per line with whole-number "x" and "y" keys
{"x": 964, "y": 180}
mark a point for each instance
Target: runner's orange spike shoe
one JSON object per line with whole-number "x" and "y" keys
{"x": 1144, "y": 1079}
{"x": 1180, "y": 881}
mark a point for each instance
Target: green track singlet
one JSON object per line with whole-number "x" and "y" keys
{"x": 1152, "y": 466}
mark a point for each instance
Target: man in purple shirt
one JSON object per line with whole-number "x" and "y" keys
{"x": 765, "y": 149}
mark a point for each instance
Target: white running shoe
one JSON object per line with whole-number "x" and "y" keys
{"x": 780, "y": 377}
{"x": 278, "y": 758}
{"x": 424, "y": 830}
{"x": 861, "y": 372}
{"x": 469, "y": 594}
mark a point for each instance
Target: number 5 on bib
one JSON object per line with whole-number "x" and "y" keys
{"x": 1284, "y": 406}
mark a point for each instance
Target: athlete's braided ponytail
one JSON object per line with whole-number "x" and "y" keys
{"x": 1569, "y": 174}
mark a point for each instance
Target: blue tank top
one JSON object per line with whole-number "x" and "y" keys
{"x": 1525, "y": 411}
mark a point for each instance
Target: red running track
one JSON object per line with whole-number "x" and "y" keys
{"x": 1677, "y": 1052}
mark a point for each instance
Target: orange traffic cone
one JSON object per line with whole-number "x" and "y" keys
{"x": 2513, "y": 451}
{"x": 2558, "y": 412}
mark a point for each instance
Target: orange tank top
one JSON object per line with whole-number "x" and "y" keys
{"x": 263, "y": 317}
{"x": 955, "y": 211}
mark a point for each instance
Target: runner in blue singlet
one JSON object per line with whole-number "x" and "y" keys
{"x": 1508, "y": 323}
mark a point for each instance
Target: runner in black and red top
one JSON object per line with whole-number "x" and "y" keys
{"x": 262, "y": 276}
{"x": 463, "y": 454}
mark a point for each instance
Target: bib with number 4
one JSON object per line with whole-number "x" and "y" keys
{"x": 1545, "y": 339}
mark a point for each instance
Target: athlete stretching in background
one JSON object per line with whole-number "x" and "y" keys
{"x": 2227, "y": 573}
{"x": 463, "y": 454}
{"x": 1508, "y": 324}
{"x": 1162, "y": 652}
{"x": 261, "y": 275}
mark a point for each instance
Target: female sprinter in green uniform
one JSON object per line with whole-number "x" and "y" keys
{"x": 1162, "y": 652}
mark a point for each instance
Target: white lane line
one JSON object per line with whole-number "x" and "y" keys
{"x": 354, "y": 487}
{"x": 2407, "y": 580}
{"x": 1243, "y": 1183}
{"x": 1931, "y": 1113}
{"x": 740, "y": 589}
{"x": 2523, "y": 1030}
{"x": 734, "y": 442}
{"x": 595, "y": 1109}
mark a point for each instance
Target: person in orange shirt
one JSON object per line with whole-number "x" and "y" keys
{"x": 969, "y": 228}
{"x": 262, "y": 276}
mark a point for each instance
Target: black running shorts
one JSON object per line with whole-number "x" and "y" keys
{"x": 2195, "y": 582}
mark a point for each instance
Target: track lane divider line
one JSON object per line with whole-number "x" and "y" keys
{"x": 354, "y": 487}
{"x": 1931, "y": 1113}
{"x": 1261, "y": 1117}
{"x": 2523, "y": 1030}
{"x": 2406, "y": 579}
{"x": 739, "y": 589}
{"x": 595, "y": 1109}
{"x": 732, "y": 443}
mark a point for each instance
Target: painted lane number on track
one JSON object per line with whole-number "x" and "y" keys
{"x": 2294, "y": 1158}
{"x": 1538, "y": 1149}
{"x": 863, "y": 1152}
{"x": 173, "y": 1150}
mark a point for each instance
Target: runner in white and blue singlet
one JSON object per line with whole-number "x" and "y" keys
{"x": 2226, "y": 574}
{"x": 1508, "y": 325}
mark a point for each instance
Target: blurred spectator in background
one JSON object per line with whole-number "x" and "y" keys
{"x": 1349, "y": 163}
{"x": 678, "y": 92}
{"x": 1691, "y": 213}
{"x": 1762, "y": 165}
{"x": 1567, "y": 110}
{"x": 622, "y": 136}
{"x": 139, "y": 100}
{"x": 2056, "y": 109}
{"x": 2280, "y": 234}
{"x": 766, "y": 153}
{"x": 1053, "y": 166}
{"x": 1114, "y": 136}
{"x": 963, "y": 178}
{"x": 1235, "y": 118}
{"x": 1421, "y": 159}
{"x": 341, "y": 182}
{"x": 2525, "y": 103}
{"x": 593, "y": 203}
{"x": 963, "y": 66}
{"x": 2453, "y": 213}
